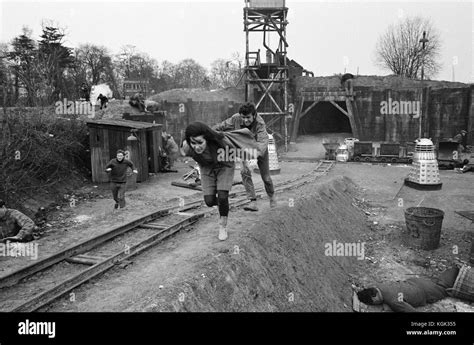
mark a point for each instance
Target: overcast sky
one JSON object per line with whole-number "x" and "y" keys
{"x": 320, "y": 33}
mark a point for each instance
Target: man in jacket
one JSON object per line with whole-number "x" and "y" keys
{"x": 461, "y": 138}
{"x": 247, "y": 117}
{"x": 15, "y": 226}
{"x": 117, "y": 168}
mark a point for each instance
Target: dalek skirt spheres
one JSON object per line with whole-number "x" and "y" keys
{"x": 424, "y": 172}
{"x": 272, "y": 158}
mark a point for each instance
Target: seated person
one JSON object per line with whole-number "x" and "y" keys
{"x": 15, "y": 226}
{"x": 461, "y": 138}
{"x": 138, "y": 101}
{"x": 404, "y": 296}
{"x": 346, "y": 82}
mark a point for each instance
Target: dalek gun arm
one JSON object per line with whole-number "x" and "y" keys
{"x": 194, "y": 173}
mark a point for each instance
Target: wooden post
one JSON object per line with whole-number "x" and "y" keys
{"x": 296, "y": 121}
{"x": 350, "y": 113}
{"x": 426, "y": 104}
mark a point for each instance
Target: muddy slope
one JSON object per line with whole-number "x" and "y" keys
{"x": 280, "y": 262}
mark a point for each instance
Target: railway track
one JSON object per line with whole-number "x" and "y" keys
{"x": 80, "y": 263}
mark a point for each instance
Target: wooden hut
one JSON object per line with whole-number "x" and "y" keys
{"x": 142, "y": 140}
{"x": 158, "y": 117}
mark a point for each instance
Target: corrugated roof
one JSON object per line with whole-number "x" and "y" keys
{"x": 123, "y": 123}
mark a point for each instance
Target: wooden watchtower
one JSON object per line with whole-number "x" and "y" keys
{"x": 266, "y": 78}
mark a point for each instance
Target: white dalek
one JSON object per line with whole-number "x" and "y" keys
{"x": 424, "y": 172}
{"x": 272, "y": 158}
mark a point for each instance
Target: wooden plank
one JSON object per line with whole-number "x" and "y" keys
{"x": 154, "y": 227}
{"x": 308, "y": 109}
{"x": 338, "y": 107}
{"x": 296, "y": 122}
{"x": 142, "y": 145}
{"x": 104, "y": 155}
{"x": 84, "y": 260}
{"x": 186, "y": 185}
{"x": 154, "y": 150}
{"x": 355, "y": 131}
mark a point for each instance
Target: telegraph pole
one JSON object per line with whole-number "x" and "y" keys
{"x": 423, "y": 42}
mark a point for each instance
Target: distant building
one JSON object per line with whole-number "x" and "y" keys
{"x": 131, "y": 87}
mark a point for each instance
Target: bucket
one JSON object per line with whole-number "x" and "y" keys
{"x": 423, "y": 228}
{"x": 463, "y": 287}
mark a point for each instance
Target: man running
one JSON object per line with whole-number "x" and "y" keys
{"x": 117, "y": 168}
{"x": 247, "y": 117}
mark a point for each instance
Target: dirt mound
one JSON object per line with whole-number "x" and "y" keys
{"x": 382, "y": 82}
{"x": 280, "y": 263}
{"x": 199, "y": 95}
{"x": 115, "y": 109}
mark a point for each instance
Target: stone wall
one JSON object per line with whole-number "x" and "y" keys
{"x": 388, "y": 109}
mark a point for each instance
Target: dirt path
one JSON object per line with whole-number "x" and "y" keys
{"x": 93, "y": 212}
{"x": 274, "y": 260}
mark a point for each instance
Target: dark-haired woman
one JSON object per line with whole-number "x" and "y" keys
{"x": 216, "y": 152}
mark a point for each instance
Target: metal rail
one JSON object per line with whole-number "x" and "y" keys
{"x": 100, "y": 264}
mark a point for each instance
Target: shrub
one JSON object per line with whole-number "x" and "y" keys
{"x": 41, "y": 151}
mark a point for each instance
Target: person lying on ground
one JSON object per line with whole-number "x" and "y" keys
{"x": 404, "y": 296}
{"x": 208, "y": 148}
{"x": 117, "y": 168}
{"x": 247, "y": 117}
{"x": 15, "y": 226}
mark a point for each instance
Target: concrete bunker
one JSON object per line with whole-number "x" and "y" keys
{"x": 324, "y": 117}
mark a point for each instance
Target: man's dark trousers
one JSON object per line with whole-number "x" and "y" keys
{"x": 118, "y": 191}
{"x": 264, "y": 167}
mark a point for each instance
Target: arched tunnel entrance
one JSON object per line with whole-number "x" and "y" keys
{"x": 324, "y": 117}
{"x": 324, "y": 121}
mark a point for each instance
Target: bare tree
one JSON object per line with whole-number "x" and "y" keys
{"x": 95, "y": 60}
{"x": 226, "y": 72}
{"x": 399, "y": 49}
{"x": 124, "y": 59}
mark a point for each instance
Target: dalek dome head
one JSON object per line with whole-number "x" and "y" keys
{"x": 424, "y": 145}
